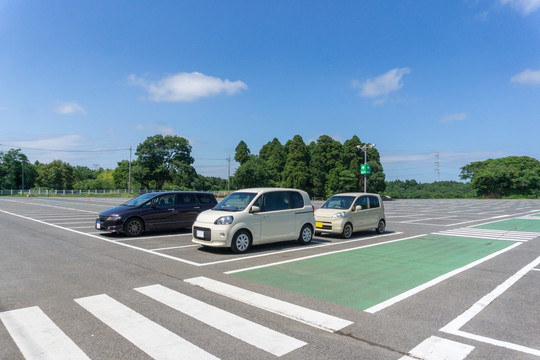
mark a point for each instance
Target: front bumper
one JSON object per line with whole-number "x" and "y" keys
{"x": 110, "y": 226}
{"x": 329, "y": 225}
{"x": 210, "y": 236}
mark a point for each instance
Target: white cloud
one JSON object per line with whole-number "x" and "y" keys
{"x": 185, "y": 87}
{"x": 65, "y": 142}
{"x": 527, "y": 77}
{"x": 70, "y": 108}
{"x": 453, "y": 117}
{"x": 525, "y": 7}
{"x": 382, "y": 85}
{"x": 160, "y": 129}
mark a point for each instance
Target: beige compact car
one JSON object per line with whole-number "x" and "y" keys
{"x": 256, "y": 216}
{"x": 349, "y": 212}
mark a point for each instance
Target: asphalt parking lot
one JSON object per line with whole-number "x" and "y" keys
{"x": 454, "y": 276}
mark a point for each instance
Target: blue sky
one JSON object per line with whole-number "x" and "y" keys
{"x": 92, "y": 78}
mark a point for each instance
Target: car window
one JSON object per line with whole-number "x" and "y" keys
{"x": 338, "y": 202}
{"x": 164, "y": 201}
{"x": 362, "y": 201}
{"x": 297, "y": 200}
{"x": 206, "y": 199}
{"x": 186, "y": 199}
{"x": 235, "y": 202}
{"x": 276, "y": 200}
{"x": 374, "y": 202}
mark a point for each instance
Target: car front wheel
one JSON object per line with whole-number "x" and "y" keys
{"x": 133, "y": 227}
{"x": 347, "y": 231}
{"x": 240, "y": 242}
{"x": 306, "y": 234}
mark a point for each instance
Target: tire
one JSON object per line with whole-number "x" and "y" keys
{"x": 306, "y": 234}
{"x": 133, "y": 227}
{"x": 380, "y": 228}
{"x": 241, "y": 242}
{"x": 347, "y": 231}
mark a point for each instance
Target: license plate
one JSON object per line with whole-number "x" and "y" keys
{"x": 200, "y": 234}
{"x": 318, "y": 224}
{"x": 98, "y": 226}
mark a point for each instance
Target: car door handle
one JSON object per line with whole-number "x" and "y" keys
{"x": 197, "y": 207}
{"x": 171, "y": 209}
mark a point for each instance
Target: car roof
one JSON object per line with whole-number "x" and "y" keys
{"x": 177, "y": 192}
{"x": 355, "y": 194}
{"x": 266, "y": 189}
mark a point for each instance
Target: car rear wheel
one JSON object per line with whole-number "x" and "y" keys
{"x": 241, "y": 242}
{"x": 380, "y": 228}
{"x": 347, "y": 231}
{"x": 133, "y": 227}
{"x": 306, "y": 234}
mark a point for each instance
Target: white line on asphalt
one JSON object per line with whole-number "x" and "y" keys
{"x": 303, "y": 248}
{"x": 38, "y": 337}
{"x": 456, "y": 324}
{"x": 53, "y": 206}
{"x": 150, "y": 337}
{"x": 106, "y": 240}
{"x": 318, "y": 255}
{"x": 257, "y": 335}
{"x": 307, "y": 316}
{"x": 435, "y": 281}
{"x": 437, "y": 348}
{"x": 174, "y": 247}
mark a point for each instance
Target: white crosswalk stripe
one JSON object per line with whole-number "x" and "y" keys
{"x": 490, "y": 234}
{"x": 150, "y": 337}
{"x": 245, "y": 330}
{"x": 38, "y": 337}
{"x": 295, "y": 312}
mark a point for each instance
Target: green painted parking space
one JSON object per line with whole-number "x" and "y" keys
{"x": 513, "y": 225}
{"x": 367, "y": 276}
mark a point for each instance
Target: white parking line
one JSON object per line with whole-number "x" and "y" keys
{"x": 436, "y": 348}
{"x": 307, "y": 316}
{"x": 456, "y": 324}
{"x": 38, "y": 337}
{"x": 435, "y": 281}
{"x": 150, "y": 337}
{"x": 257, "y": 335}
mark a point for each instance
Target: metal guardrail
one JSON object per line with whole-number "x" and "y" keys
{"x": 95, "y": 192}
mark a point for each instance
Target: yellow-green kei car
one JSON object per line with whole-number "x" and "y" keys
{"x": 349, "y": 212}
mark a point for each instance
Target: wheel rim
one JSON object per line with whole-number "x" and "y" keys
{"x": 381, "y": 226}
{"x": 347, "y": 232}
{"x": 242, "y": 242}
{"x": 306, "y": 234}
{"x": 134, "y": 227}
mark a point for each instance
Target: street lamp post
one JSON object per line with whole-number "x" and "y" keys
{"x": 366, "y": 170}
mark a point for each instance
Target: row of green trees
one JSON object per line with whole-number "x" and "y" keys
{"x": 322, "y": 168}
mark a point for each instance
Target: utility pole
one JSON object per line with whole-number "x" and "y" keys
{"x": 437, "y": 173}
{"x": 129, "y": 172}
{"x": 365, "y": 169}
{"x": 229, "y": 174}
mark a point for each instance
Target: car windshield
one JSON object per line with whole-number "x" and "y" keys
{"x": 139, "y": 200}
{"x": 235, "y": 202}
{"x": 338, "y": 202}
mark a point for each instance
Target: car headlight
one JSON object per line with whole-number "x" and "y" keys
{"x": 114, "y": 217}
{"x": 224, "y": 220}
{"x": 339, "y": 215}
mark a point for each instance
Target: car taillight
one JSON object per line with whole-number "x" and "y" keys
{"x": 313, "y": 208}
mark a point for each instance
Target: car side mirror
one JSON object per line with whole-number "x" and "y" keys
{"x": 255, "y": 209}
{"x": 358, "y": 208}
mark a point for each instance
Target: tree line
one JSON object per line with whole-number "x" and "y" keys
{"x": 322, "y": 168}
